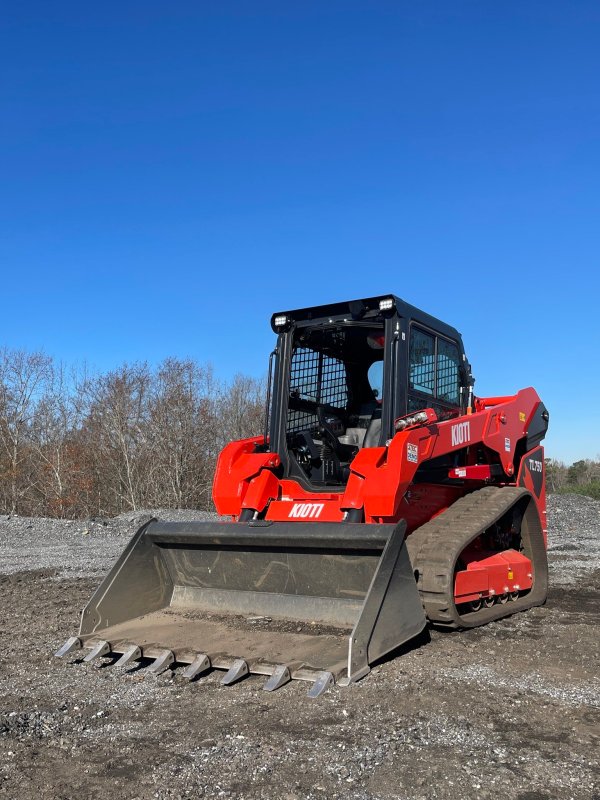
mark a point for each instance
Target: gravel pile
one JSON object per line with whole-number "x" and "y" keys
{"x": 75, "y": 548}
{"x": 573, "y": 538}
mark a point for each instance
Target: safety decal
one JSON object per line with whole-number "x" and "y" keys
{"x": 522, "y": 416}
{"x": 412, "y": 453}
{"x": 507, "y": 445}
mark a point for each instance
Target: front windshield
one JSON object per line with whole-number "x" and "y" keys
{"x": 335, "y": 395}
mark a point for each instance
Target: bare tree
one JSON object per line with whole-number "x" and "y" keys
{"x": 242, "y": 409}
{"x": 53, "y": 440}
{"x": 22, "y": 378}
{"x": 181, "y": 423}
{"x": 116, "y": 435}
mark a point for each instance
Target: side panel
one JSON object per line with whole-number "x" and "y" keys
{"x": 532, "y": 476}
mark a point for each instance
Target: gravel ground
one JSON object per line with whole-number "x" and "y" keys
{"x": 510, "y": 710}
{"x": 74, "y": 548}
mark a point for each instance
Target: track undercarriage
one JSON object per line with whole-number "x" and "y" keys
{"x": 508, "y": 581}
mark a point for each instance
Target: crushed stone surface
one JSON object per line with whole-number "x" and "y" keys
{"x": 508, "y": 710}
{"x": 76, "y": 548}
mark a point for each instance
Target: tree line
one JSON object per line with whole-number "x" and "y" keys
{"x": 79, "y": 445}
{"x": 75, "y": 445}
{"x": 581, "y": 477}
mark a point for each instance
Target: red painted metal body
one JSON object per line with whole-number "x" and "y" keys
{"x": 498, "y": 574}
{"x": 489, "y": 443}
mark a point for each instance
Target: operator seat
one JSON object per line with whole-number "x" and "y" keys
{"x": 373, "y": 429}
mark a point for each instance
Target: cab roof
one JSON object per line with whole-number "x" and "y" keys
{"x": 369, "y": 306}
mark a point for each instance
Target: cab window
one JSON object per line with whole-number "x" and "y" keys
{"x": 433, "y": 368}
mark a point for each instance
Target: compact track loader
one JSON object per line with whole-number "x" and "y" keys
{"x": 381, "y": 496}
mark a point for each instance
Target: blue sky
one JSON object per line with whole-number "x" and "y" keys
{"x": 172, "y": 173}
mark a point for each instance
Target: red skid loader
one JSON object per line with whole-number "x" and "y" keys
{"x": 382, "y": 495}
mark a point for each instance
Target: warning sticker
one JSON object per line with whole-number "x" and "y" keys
{"x": 507, "y": 445}
{"x": 412, "y": 453}
{"x": 522, "y": 416}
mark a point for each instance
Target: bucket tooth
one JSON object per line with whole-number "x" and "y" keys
{"x": 322, "y": 682}
{"x": 132, "y": 653}
{"x": 161, "y": 663}
{"x": 281, "y": 676}
{"x": 238, "y": 670}
{"x": 71, "y": 644}
{"x": 200, "y": 664}
{"x": 101, "y": 649}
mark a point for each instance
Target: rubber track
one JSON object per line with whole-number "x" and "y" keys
{"x": 435, "y": 547}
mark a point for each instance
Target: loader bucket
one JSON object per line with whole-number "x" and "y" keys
{"x": 311, "y": 601}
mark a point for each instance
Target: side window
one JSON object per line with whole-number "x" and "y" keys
{"x": 433, "y": 368}
{"x": 447, "y": 372}
{"x": 375, "y": 377}
{"x": 422, "y": 362}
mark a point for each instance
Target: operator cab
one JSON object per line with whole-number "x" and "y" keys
{"x": 345, "y": 372}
